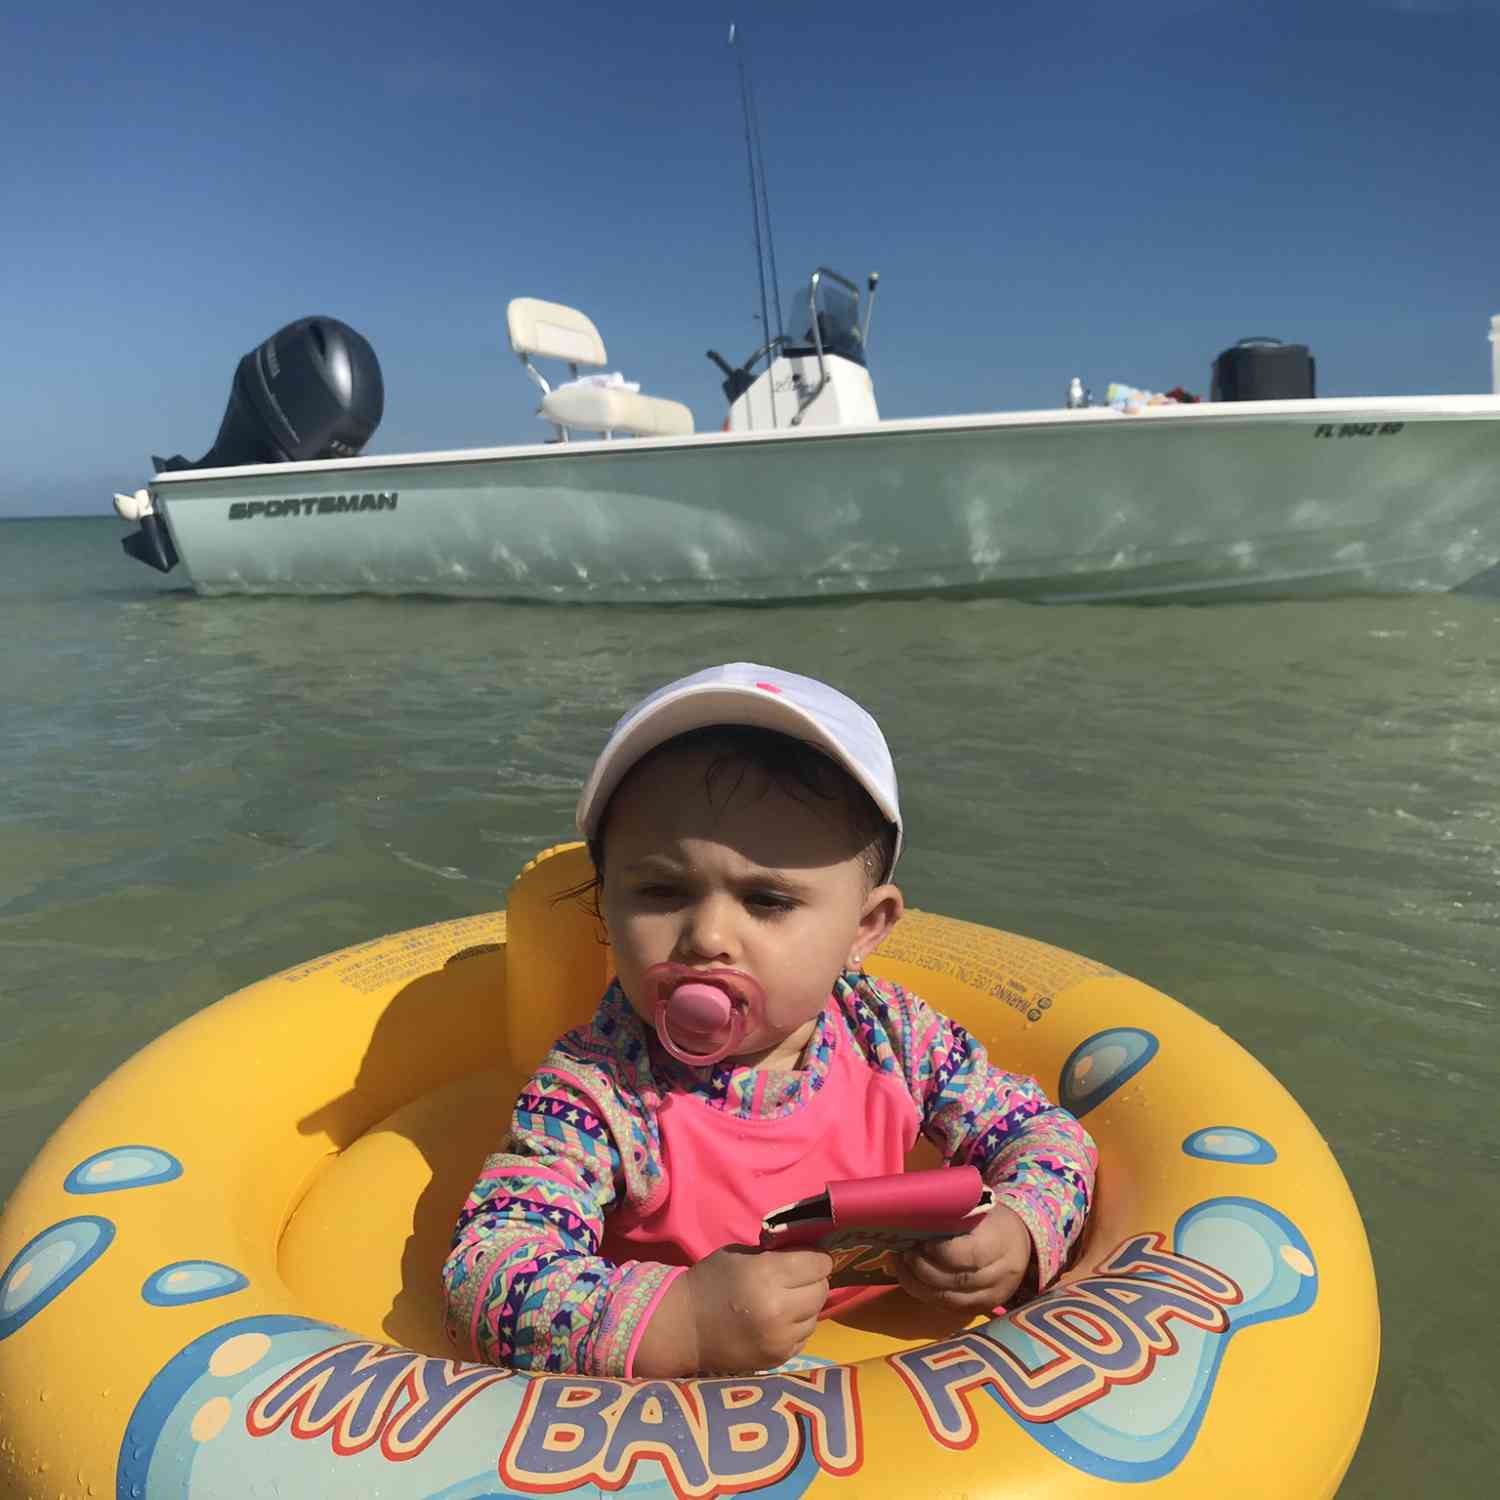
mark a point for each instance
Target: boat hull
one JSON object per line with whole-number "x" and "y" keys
{"x": 1274, "y": 500}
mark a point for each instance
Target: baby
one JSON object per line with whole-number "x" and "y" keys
{"x": 744, "y": 826}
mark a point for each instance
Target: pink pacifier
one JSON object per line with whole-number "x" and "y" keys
{"x": 701, "y": 1015}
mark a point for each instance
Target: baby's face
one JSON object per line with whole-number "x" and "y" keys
{"x": 746, "y": 877}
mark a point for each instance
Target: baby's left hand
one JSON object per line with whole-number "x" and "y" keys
{"x": 971, "y": 1272}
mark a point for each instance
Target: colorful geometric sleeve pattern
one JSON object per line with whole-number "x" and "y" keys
{"x": 1039, "y": 1160}
{"x": 526, "y": 1285}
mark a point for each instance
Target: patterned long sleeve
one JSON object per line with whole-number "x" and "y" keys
{"x": 1038, "y": 1159}
{"x": 526, "y": 1285}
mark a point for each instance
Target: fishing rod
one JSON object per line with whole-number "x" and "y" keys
{"x": 765, "y": 208}
{"x": 759, "y": 207}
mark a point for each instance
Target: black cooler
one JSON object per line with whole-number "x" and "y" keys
{"x": 1265, "y": 370}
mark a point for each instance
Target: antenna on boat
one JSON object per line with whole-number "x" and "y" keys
{"x": 760, "y": 208}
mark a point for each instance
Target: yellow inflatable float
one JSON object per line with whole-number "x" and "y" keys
{"x": 221, "y": 1276}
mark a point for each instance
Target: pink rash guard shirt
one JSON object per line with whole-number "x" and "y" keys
{"x": 861, "y": 1123}
{"x": 624, "y": 1166}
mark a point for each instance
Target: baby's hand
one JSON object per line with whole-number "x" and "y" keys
{"x": 971, "y": 1272}
{"x": 755, "y": 1308}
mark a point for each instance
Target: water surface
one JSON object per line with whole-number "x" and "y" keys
{"x": 1282, "y": 814}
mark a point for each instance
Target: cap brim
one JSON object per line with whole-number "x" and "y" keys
{"x": 700, "y": 707}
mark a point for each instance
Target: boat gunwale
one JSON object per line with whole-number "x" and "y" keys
{"x": 1480, "y": 407}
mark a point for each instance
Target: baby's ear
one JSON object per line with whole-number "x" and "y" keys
{"x": 882, "y": 910}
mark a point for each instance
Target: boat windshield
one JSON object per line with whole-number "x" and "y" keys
{"x": 835, "y": 305}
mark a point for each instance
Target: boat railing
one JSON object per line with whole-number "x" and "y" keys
{"x": 806, "y": 400}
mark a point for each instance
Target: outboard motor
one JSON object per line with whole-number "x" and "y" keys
{"x": 1264, "y": 370}
{"x": 312, "y": 390}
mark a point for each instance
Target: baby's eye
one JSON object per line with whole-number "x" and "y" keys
{"x": 659, "y": 890}
{"x": 771, "y": 902}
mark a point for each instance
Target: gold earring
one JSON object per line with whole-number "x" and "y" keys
{"x": 854, "y": 960}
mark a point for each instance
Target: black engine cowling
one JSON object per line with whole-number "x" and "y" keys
{"x": 312, "y": 390}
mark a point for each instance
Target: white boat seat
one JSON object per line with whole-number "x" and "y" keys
{"x": 602, "y": 408}
{"x": 552, "y": 330}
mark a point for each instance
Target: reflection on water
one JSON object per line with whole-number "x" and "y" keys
{"x": 1285, "y": 815}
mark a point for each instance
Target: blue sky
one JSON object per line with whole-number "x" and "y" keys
{"x": 1113, "y": 190}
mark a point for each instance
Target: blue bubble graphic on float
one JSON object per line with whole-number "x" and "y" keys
{"x": 275, "y": 1403}
{"x": 122, "y": 1167}
{"x": 48, "y": 1265}
{"x": 1230, "y": 1143}
{"x": 1101, "y": 1064}
{"x": 191, "y": 1281}
{"x": 1142, "y": 1429}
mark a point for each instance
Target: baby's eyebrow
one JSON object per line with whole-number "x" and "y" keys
{"x": 757, "y": 877}
{"x": 781, "y": 879}
{"x": 649, "y": 862}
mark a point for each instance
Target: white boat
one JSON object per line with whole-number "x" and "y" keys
{"x": 808, "y": 494}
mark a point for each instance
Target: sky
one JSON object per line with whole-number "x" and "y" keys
{"x": 1047, "y": 188}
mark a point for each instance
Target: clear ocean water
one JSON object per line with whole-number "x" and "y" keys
{"x": 1285, "y": 815}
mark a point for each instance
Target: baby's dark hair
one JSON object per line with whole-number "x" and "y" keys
{"x": 792, "y": 766}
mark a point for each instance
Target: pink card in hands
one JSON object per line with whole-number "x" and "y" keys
{"x": 864, "y": 1223}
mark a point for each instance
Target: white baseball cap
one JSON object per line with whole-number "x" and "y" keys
{"x": 743, "y": 692}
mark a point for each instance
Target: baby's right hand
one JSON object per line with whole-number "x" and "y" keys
{"x": 755, "y": 1308}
